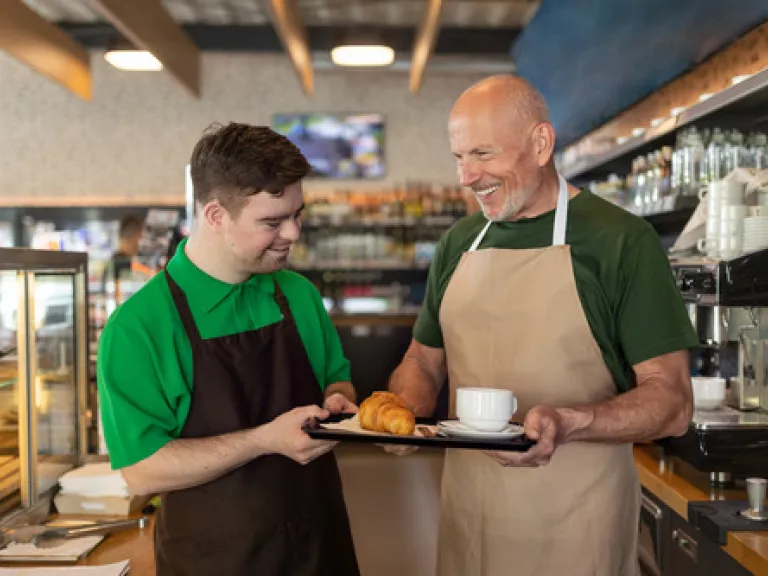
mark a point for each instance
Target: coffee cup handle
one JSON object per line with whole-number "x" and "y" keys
{"x": 701, "y": 244}
{"x": 702, "y": 193}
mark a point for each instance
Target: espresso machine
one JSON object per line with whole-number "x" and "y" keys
{"x": 728, "y": 304}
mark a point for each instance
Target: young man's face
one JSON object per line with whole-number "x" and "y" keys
{"x": 260, "y": 236}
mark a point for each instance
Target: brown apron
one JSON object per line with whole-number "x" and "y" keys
{"x": 513, "y": 319}
{"x": 271, "y": 516}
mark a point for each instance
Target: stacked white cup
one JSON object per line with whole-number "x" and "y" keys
{"x": 756, "y": 224}
{"x": 726, "y": 212}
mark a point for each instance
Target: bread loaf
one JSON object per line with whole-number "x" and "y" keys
{"x": 387, "y": 412}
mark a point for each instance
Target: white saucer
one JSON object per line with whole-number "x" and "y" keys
{"x": 455, "y": 428}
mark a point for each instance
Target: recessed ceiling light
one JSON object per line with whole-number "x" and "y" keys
{"x": 133, "y": 60}
{"x": 706, "y": 96}
{"x": 363, "y": 56}
{"x": 677, "y": 110}
{"x": 740, "y": 78}
{"x": 638, "y": 131}
{"x": 656, "y": 121}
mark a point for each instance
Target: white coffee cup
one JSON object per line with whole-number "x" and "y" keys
{"x": 486, "y": 409}
{"x": 731, "y": 228}
{"x": 729, "y": 243}
{"x": 709, "y": 246}
{"x": 708, "y": 392}
{"x": 713, "y": 227}
{"x": 723, "y": 192}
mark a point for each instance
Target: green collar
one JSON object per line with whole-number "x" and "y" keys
{"x": 205, "y": 292}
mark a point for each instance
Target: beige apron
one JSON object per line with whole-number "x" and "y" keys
{"x": 513, "y": 319}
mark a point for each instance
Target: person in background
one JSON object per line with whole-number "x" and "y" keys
{"x": 207, "y": 375}
{"x": 131, "y": 228}
{"x": 568, "y": 301}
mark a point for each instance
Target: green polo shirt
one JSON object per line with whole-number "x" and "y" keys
{"x": 144, "y": 364}
{"x": 622, "y": 275}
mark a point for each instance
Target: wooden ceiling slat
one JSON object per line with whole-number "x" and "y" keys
{"x": 147, "y": 25}
{"x": 426, "y": 37}
{"x": 44, "y": 47}
{"x": 287, "y": 21}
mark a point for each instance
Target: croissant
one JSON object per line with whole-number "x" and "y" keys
{"x": 386, "y": 412}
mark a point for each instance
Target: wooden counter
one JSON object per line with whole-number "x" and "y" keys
{"x": 134, "y": 545}
{"x": 402, "y": 514}
{"x": 675, "y": 484}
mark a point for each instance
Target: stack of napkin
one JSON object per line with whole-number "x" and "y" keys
{"x": 94, "y": 480}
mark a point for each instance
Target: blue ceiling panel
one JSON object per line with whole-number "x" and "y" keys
{"x": 591, "y": 59}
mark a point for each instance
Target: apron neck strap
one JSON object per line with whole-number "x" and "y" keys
{"x": 282, "y": 301}
{"x": 480, "y": 236}
{"x": 561, "y": 218}
{"x": 182, "y": 305}
{"x": 561, "y": 213}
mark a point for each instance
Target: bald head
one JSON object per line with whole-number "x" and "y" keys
{"x": 509, "y": 99}
{"x": 503, "y": 144}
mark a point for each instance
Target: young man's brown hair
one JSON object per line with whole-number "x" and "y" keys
{"x": 235, "y": 161}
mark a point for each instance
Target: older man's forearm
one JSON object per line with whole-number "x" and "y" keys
{"x": 419, "y": 378}
{"x": 652, "y": 411}
{"x": 416, "y": 386}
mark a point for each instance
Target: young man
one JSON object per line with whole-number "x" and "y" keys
{"x": 207, "y": 374}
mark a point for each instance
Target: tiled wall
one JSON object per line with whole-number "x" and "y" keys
{"x": 133, "y": 139}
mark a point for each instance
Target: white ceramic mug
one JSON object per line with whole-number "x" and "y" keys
{"x": 713, "y": 225}
{"x": 730, "y": 242}
{"x": 732, "y": 227}
{"x": 723, "y": 192}
{"x": 486, "y": 409}
{"x": 709, "y": 246}
{"x": 708, "y": 392}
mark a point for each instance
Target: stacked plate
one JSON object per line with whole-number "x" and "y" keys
{"x": 755, "y": 233}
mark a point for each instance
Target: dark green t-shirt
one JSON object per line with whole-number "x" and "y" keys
{"x": 144, "y": 364}
{"x": 622, "y": 275}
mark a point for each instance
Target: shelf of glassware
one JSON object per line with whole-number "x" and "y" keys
{"x": 745, "y": 98}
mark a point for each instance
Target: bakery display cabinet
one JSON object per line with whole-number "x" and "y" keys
{"x": 43, "y": 372}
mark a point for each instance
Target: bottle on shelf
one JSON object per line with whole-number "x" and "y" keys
{"x": 715, "y": 156}
{"x": 395, "y": 227}
{"x": 759, "y": 151}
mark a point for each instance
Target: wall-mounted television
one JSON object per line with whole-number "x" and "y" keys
{"x": 342, "y": 146}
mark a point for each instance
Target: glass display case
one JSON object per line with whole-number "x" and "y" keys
{"x": 43, "y": 371}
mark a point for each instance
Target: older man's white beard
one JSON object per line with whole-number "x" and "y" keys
{"x": 511, "y": 207}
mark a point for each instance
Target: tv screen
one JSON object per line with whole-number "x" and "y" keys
{"x": 337, "y": 145}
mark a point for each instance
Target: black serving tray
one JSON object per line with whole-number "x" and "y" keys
{"x": 314, "y": 429}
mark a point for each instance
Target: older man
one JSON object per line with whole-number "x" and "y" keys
{"x": 568, "y": 301}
